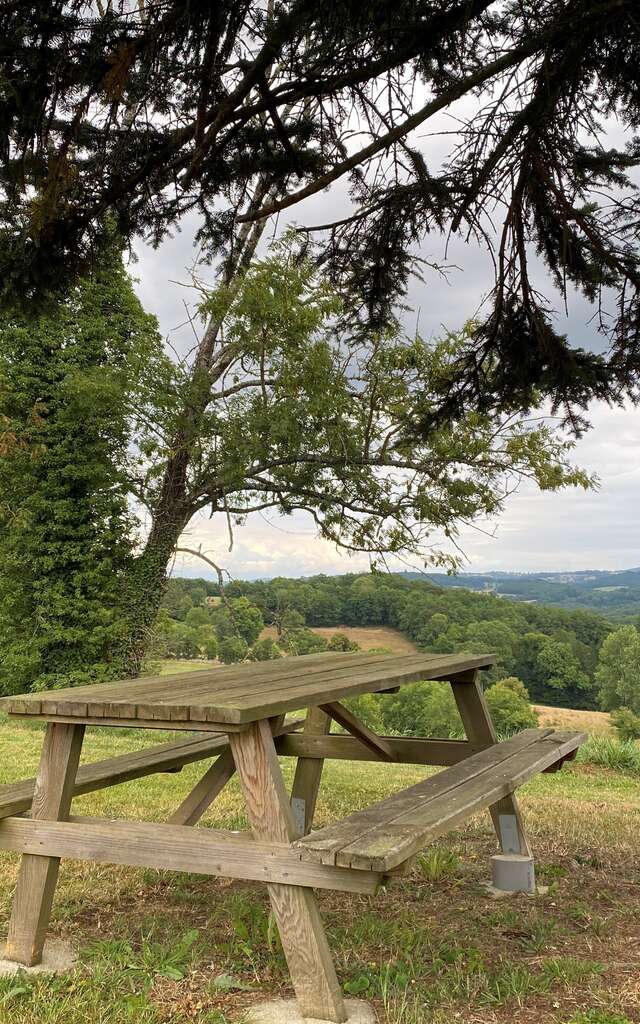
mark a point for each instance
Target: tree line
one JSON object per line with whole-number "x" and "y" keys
{"x": 554, "y": 652}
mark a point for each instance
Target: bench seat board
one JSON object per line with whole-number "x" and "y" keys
{"x": 385, "y": 835}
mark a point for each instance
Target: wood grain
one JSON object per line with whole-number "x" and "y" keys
{"x": 295, "y": 909}
{"x": 176, "y": 848}
{"x": 227, "y": 698}
{"x": 16, "y": 797}
{"x": 38, "y": 874}
{"x": 384, "y": 835}
{"x": 359, "y": 730}
{"x": 480, "y": 732}
{"x": 306, "y": 781}
{"x": 406, "y": 749}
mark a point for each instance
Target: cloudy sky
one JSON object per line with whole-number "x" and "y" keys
{"x": 538, "y": 532}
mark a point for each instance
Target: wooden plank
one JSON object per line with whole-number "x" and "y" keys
{"x": 16, "y": 797}
{"x": 406, "y": 834}
{"x": 325, "y": 689}
{"x": 406, "y": 749}
{"x": 237, "y": 697}
{"x": 205, "y": 791}
{"x": 324, "y": 844}
{"x": 38, "y": 874}
{"x": 136, "y": 723}
{"x": 479, "y": 730}
{"x": 295, "y": 909}
{"x": 226, "y": 678}
{"x": 176, "y": 848}
{"x": 306, "y": 781}
{"x": 359, "y": 730}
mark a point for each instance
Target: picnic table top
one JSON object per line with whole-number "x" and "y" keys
{"x": 232, "y": 696}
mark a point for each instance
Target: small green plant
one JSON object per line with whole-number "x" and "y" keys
{"x": 551, "y": 872}
{"x": 539, "y": 935}
{"x": 152, "y": 959}
{"x": 437, "y": 863}
{"x": 356, "y": 986}
{"x": 619, "y": 755}
{"x": 569, "y": 970}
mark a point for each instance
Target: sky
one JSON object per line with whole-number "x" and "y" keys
{"x": 538, "y": 532}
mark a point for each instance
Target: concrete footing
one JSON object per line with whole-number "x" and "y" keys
{"x": 58, "y": 958}
{"x": 512, "y": 872}
{"x": 281, "y": 1011}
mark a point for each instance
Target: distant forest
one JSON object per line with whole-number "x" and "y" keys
{"x": 554, "y": 651}
{"x": 614, "y": 594}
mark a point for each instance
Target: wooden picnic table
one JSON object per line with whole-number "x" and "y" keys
{"x": 238, "y": 714}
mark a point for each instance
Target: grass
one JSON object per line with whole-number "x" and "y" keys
{"x": 163, "y": 948}
{"x": 619, "y": 755}
{"x": 594, "y": 722}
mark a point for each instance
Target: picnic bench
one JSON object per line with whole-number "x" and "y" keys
{"x": 238, "y": 715}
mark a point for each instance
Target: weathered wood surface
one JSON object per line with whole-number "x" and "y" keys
{"x": 228, "y": 698}
{"x": 386, "y": 834}
{"x": 39, "y": 873}
{"x": 16, "y": 797}
{"x": 295, "y": 909}
{"x": 405, "y": 749}
{"x": 480, "y": 731}
{"x": 306, "y": 781}
{"x": 176, "y": 848}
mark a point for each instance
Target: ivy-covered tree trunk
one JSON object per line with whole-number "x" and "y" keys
{"x": 68, "y": 381}
{"x": 147, "y": 577}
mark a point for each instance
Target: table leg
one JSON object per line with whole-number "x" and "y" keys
{"x": 505, "y": 814}
{"x": 38, "y": 874}
{"x": 306, "y": 782}
{"x": 295, "y": 909}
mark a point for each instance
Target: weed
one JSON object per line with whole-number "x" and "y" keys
{"x": 437, "y": 863}
{"x": 619, "y": 755}
{"x": 568, "y": 969}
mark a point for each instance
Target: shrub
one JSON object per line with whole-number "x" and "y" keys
{"x": 423, "y": 709}
{"x": 232, "y": 649}
{"x": 304, "y": 641}
{"x": 515, "y": 684}
{"x": 510, "y": 712}
{"x": 265, "y": 650}
{"x": 626, "y": 724}
{"x": 619, "y": 755}
{"x": 341, "y": 642}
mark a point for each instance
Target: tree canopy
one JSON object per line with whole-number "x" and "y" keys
{"x": 145, "y": 111}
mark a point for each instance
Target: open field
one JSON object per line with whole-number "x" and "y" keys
{"x": 365, "y": 636}
{"x": 596, "y": 722}
{"x": 163, "y": 948}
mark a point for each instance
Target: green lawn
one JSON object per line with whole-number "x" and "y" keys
{"x": 158, "y": 947}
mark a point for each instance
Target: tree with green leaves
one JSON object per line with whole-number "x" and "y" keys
{"x": 70, "y": 385}
{"x": 241, "y": 109}
{"x": 295, "y": 414}
{"x": 618, "y": 671}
